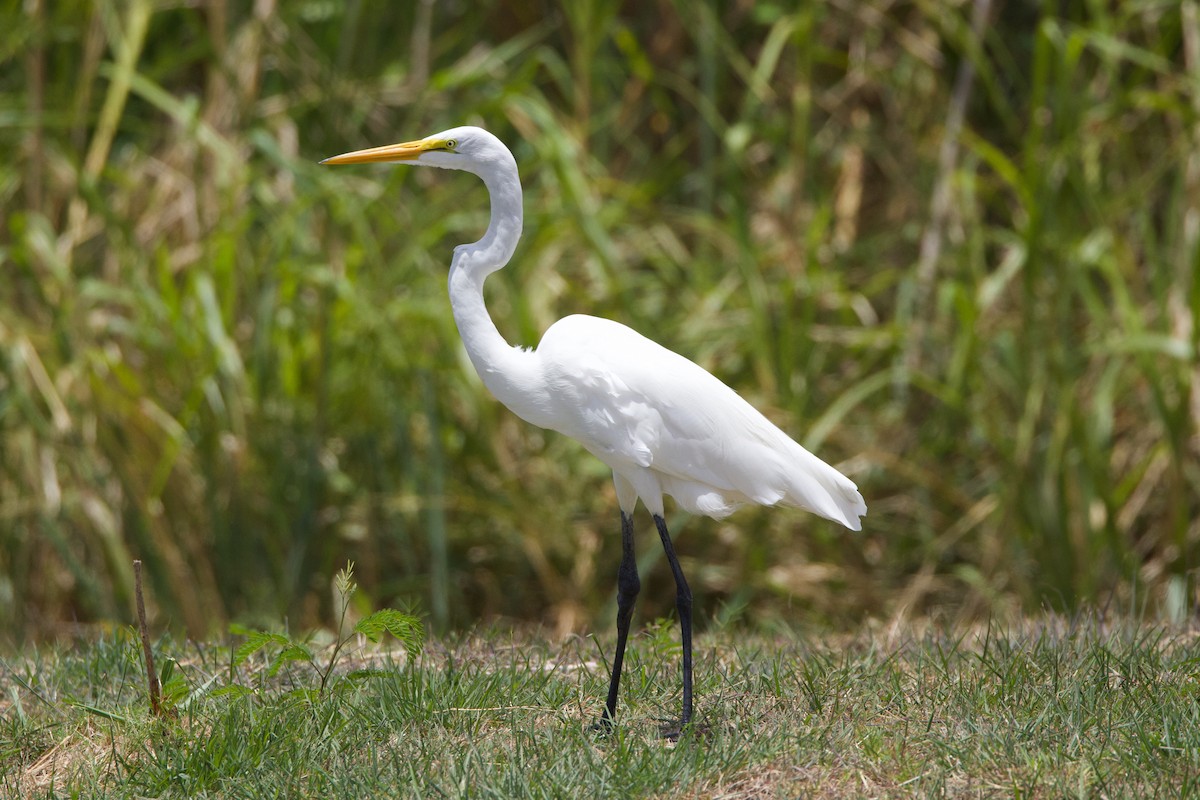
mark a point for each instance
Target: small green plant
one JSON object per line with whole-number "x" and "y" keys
{"x": 659, "y": 637}
{"x": 405, "y": 627}
{"x": 173, "y": 685}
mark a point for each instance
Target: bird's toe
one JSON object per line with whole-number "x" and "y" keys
{"x": 602, "y": 727}
{"x": 674, "y": 730}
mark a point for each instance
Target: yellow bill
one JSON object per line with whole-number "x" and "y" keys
{"x": 405, "y": 151}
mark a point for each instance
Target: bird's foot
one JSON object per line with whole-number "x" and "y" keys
{"x": 674, "y": 730}
{"x": 603, "y": 727}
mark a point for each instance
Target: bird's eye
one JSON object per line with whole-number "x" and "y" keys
{"x": 451, "y": 144}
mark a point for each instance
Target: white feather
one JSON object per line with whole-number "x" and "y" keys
{"x": 638, "y": 406}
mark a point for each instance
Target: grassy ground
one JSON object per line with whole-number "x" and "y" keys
{"x": 1044, "y": 708}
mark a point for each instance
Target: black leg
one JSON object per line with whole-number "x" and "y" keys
{"x": 683, "y": 604}
{"x": 628, "y": 586}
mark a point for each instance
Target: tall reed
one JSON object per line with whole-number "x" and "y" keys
{"x": 241, "y": 368}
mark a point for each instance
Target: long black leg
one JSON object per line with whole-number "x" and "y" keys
{"x": 628, "y": 586}
{"x": 683, "y": 604}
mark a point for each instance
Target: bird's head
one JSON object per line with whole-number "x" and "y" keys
{"x": 466, "y": 148}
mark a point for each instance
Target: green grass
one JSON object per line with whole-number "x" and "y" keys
{"x": 1045, "y": 708}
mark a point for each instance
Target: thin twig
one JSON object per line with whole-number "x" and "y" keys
{"x": 151, "y": 675}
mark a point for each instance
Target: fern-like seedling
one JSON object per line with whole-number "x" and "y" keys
{"x": 406, "y": 628}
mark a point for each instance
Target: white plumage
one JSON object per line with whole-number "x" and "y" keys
{"x": 666, "y": 426}
{"x": 663, "y": 424}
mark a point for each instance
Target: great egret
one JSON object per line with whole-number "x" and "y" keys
{"x": 663, "y": 424}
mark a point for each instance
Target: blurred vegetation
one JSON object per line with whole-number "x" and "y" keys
{"x": 951, "y": 248}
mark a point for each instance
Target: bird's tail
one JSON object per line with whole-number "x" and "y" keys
{"x": 817, "y": 487}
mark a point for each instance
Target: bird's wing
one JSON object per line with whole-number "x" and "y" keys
{"x": 636, "y": 404}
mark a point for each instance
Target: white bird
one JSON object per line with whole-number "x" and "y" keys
{"x": 663, "y": 424}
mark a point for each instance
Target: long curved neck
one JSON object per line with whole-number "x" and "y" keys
{"x": 505, "y": 370}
